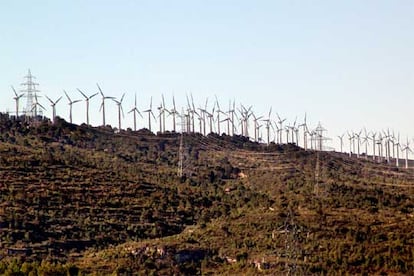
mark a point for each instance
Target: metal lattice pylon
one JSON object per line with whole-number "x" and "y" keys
{"x": 30, "y": 93}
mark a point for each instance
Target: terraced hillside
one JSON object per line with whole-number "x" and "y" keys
{"x": 76, "y": 199}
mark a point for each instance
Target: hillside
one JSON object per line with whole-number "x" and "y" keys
{"x": 76, "y": 199}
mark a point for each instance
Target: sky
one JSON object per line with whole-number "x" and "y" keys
{"x": 346, "y": 64}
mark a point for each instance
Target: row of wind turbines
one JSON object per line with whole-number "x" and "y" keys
{"x": 384, "y": 146}
{"x": 240, "y": 120}
{"x": 203, "y": 119}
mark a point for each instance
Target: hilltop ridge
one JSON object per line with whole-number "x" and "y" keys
{"x": 88, "y": 199}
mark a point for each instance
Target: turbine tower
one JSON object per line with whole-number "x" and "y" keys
{"x": 17, "y": 99}
{"x": 407, "y": 149}
{"x": 174, "y": 113}
{"x": 120, "y": 110}
{"x": 280, "y": 122}
{"x": 149, "y": 111}
{"x": 53, "y": 105}
{"x": 341, "y": 140}
{"x": 70, "y": 105}
{"x": 305, "y": 130}
{"x": 35, "y": 105}
{"x": 87, "y": 103}
{"x": 103, "y": 104}
{"x": 135, "y": 110}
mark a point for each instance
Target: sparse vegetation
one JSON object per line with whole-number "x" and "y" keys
{"x": 81, "y": 200}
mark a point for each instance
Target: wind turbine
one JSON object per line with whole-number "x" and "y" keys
{"x": 149, "y": 111}
{"x": 268, "y": 124}
{"x": 406, "y": 148}
{"x": 387, "y": 146}
{"x": 160, "y": 116}
{"x": 120, "y": 110}
{"x": 174, "y": 113}
{"x": 365, "y": 141}
{"x": 231, "y": 112}
{"x": 351, "y": 138}
{"x": 341, "y": 140}
{"x": 305, "y": 130}
{"x": 293, "y": 129}
{"x": 53, "y": 105}
{"x": 257, "y": 127}
{"x": 70, "y": 105}
{"x": 192, "y": 111}
{"x": 211, "y": 118}
{"x": 245, "y": 114}
{"x": 280, "y": 122}
{"x": 17, "y": 98}
{"x": 373, "y": 145}
{"x": 35, "y": 105}
{"x": 218, "y": 116}
{"x": 228, "y": 120}
{"x": 380, "y": 147}
{"x": 135, "y": 111}
{"x": 162, "y": 111}
{"x": 358, "y": 136}
{"x": 397, "y": 144}
{"x": 203, "y": 115}
{"x": 87, "y": 103}
{"x": 103, "y": 104}
{"x": 276, "y": 131}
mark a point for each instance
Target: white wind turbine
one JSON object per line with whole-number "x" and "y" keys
{"x": 275, "y": 129}
{"x": 366, "y": 142}
{"x": 393, "y": 144}
{"x": 218, "y": 116}
{"x": 174, "y": 113}
{"x": 87, "y": 103}
{"x": 358, "y": 136}
{"x": 120, "y": 110}
{"x": 160, "y": 115}
{"x": 53, "y": 105}
{"x": 202, "y": 116}
{"x": 351, "y": 138}
{"x": 407, "y": 149}
{"x": 35, "y": 105}
{"x": 211, "y": 118}
{"x": 387, "y": 145}
{"x": 293, "y": 130}
{"x": 268, "y": 125}
{"x": 245, "y": 114}
{"x": 341, "y": 141}
{"x": 397, "y": 144}
{"x": 280, "y": 129}
{"x": 17, "y": 99}
{"x": 231, "y": 113}
{"x": 150, "y": 113}
{"x": 192, "y": 111}
{"x": 257, "y": 126}
{"x": 70, "y": 105}
{"x": 227, "y": 119}
{"x": 305, "y": 130}
{"x": 103, "y": 104}
{"x": 374, "y": 141}
{"x": 135, "y": 110}
{"x": 380, "y": 147}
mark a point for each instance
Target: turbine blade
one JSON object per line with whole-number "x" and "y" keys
{"x": 82, "y": 93}
{"x": 14, "y": 90}
{"x": 49, "y": 99}
{"x": 100, "y": 90}
{"x": 67, "y": 96}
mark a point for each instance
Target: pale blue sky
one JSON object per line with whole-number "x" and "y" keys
{"x": 347, "y": 64}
